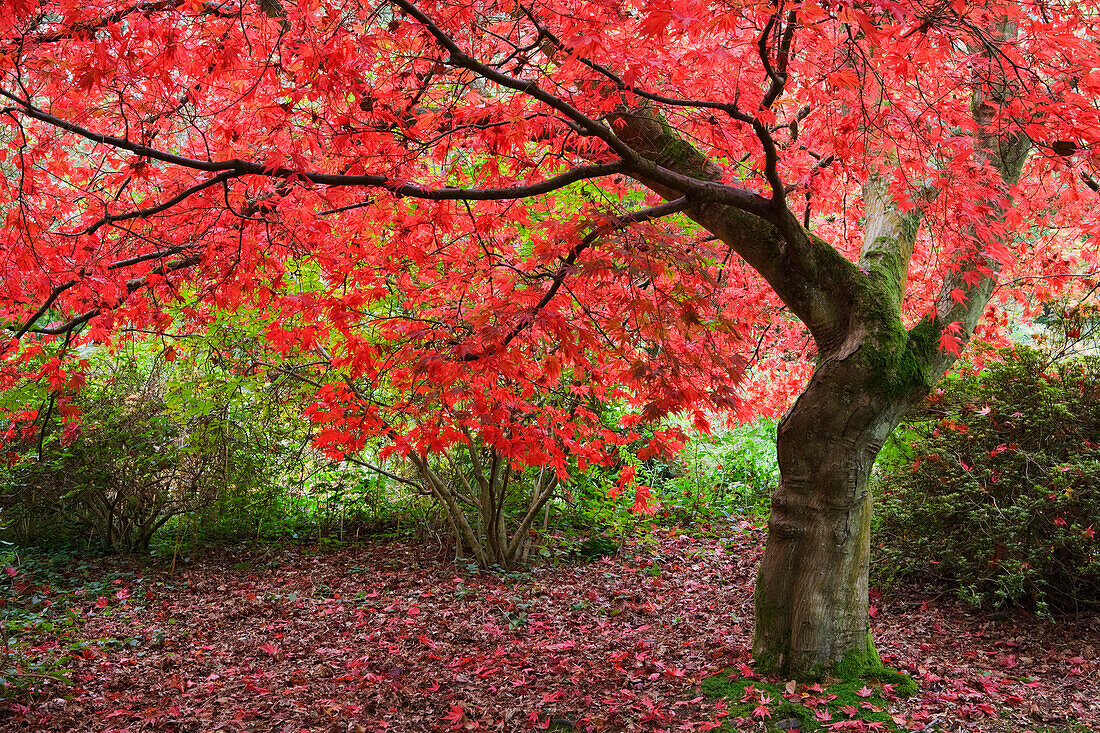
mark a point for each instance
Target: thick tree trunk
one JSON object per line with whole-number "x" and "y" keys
{"x": 811, "y": 593}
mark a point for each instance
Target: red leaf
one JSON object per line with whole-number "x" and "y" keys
{"x": 951, "y": 338}
{"x": 643, "y": 501}
{"x": 455, "y": 716}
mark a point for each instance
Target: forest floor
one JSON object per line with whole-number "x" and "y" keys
{"x": 389, "y": 637}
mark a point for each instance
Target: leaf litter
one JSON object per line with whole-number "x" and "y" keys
{"x": 391, "y": 637}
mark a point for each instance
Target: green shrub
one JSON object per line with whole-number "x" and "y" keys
{"x": 141, "y": 457}
{"x": 995, "y": 486}
{"x": 114, "y": 480}
{"x": 732, "y": 472}
{"x": 182, "y": 448}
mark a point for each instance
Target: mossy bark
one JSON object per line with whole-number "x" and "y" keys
{"x": 811, "y": 592}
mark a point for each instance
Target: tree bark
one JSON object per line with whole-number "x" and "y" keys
{"x": 811, "y": 592}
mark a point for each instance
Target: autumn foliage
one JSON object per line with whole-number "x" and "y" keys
{"x": 458, "y": 242}
{"x": 438, "y": 315}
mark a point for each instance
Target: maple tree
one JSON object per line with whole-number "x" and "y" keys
{"x": 467, "y": 208}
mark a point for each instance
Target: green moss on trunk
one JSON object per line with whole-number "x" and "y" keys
{"x": 860, "y": 661}
{"x": 864, "y": 664}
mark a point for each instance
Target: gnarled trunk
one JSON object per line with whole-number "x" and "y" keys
{"x": 811, "y": 593}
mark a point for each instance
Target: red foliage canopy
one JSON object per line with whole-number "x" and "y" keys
{"x": 436, "y": 199}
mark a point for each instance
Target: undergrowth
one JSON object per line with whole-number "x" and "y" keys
{"x": 993, "y": 487}
{"x": 45, "y": 598}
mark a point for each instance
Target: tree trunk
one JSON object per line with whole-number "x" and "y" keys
{"x": 811, "y": 592}
{"x": 486, "y": 534}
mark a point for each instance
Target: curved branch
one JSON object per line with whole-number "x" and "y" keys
{"x": 808, "y": 274}
{"x": 236, "y": 168}
{"x": 164, "y": 206}
{"x": 966, "y": 291}
{"x": 727, "y": 107}
{"x": 638, "y": 164}
{"x": 531, "y": 88}
{"x": 384, "y": 472}
{"x": 54, "y": 294}
{"x": 132, "y": 286}
{"x": 57, "y": 291}
{"x": 149, "y": 256}
{"x": 762, "y": 132}
{"x": 778, "y": 76}
{"x": 570, "y": 260}
{"x": 777, "y": 73}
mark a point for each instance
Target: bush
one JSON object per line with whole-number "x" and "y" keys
{"x": 139, "y": 458}
{"x": 731, "y": 472}
{"x": 995, "y": 486}
{"x": 113, "y": 480}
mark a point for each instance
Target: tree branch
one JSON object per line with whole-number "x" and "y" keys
{"x": 778, "y": 76}
{"x": 529, "y": 87}
{"x": 237, "y": 168}
{"x": 570, "y": 260}
{"x": 727, "y": 107}
{"x": 384, "y": 472}
{"x": 762, "y": 132}
{"x": 58, "y": 290}
{"x": 889, "y": 237}
{"x": 164, "y": 206}
{"x": 132, "y": 285}
{"x": 966, "y": 292}
{"x": 814, "y": 280}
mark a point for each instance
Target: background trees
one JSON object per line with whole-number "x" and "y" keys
{"x": 448, "y": 203}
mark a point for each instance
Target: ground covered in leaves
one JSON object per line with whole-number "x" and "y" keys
{"x": 390, "y": 637}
